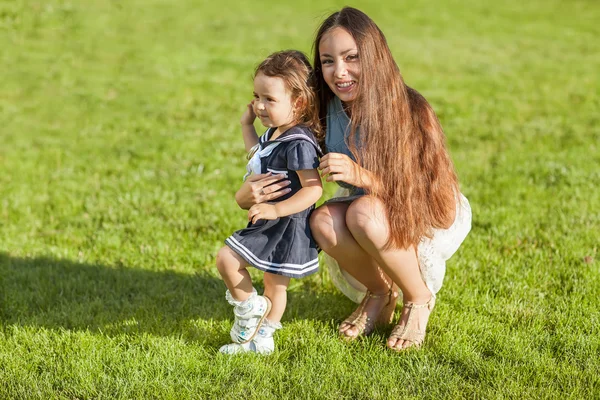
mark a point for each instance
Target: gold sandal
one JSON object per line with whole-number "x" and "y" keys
{"x": 415, "y": 336}
{"x": 366, "y": 324}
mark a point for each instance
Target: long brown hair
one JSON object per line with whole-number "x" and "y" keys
{"x": 293, "y": 67}
{"x": 401, "y": 140}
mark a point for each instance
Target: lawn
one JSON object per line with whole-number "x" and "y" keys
{"x": 120, "y": 152}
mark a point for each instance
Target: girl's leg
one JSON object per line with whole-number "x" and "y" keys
{"x": 329, "y": 228}
{"x": 249, "y": 308}
{"x": 233, "y": 270}
{"x": 367, "y": 221}
{"x": 276, "y": 290}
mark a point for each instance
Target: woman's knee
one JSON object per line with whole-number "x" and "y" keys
{"x": 366, "y": 217}
{"x": 326, "y": 224}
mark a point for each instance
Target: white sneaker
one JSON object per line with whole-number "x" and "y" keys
{"x": 236, "y": 348}
{"x": 249, "y": 314}
{"x": 262, "y": 343}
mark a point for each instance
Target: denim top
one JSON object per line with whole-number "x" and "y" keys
{"x": 337, "y": 134}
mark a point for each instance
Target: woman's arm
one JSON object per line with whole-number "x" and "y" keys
{"x": 340, "y": 167}
{"x": 311, "y": 191}
{"x": 261, "y": 188}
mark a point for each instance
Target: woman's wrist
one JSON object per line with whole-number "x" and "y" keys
{"x": 369, "y": 181}
{"x": 241, "y": 200}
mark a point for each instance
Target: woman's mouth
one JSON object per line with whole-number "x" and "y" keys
{"x": 345, "y": 86}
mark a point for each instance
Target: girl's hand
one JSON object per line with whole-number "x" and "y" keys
{"x": 248, "y": 116}
{"x": 261, "y": 188}
{"x": 262, "y": 211}
{"x": 340, "y": 167}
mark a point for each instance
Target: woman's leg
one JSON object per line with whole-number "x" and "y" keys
{"x": 276, "y": 290}
{"x": 367, "y": 222}
{"x": 232, "y": 268}
{"x": 328, "y": 226}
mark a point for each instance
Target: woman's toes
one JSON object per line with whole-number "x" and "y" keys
{"x": 399, "y": 345}
{"x": 395, "y": 344}
{"x": 351, "y": 331}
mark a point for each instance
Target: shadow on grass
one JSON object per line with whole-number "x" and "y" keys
{"x": 52, "y": 293}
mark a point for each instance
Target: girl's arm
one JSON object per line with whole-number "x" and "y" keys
{"x": 311, "y": 191}
{"x": 248, "y": 131}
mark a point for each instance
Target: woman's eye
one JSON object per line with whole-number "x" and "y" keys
{"x": 323, "y": 62}
{"x": 353, "y": 57}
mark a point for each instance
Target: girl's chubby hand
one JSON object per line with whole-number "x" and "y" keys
{"x": 339, "y": 167}
{"x": 248, "y": 116}
{"x": 262, "y": 211}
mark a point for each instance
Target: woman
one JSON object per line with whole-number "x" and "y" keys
{"x": 404, "y": 214}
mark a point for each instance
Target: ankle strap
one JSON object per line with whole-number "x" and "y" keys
{"x": 379, "y": 295}
{"x": 430, "y": 303}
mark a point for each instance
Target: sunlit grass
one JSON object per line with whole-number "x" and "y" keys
{"x": 120, "y": 153}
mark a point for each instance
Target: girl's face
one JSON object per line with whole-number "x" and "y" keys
{"x": 340, "y": 63}
{"x": 273, "y": 102}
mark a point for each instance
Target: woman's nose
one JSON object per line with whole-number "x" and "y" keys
{"x": 340, "y": 70}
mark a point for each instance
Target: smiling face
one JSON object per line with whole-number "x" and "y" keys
{"x": 273, "y": 103}
{"x": 340, "y": 63}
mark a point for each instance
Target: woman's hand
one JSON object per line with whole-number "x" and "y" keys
{"x": 262, "y": 211}
{"x": 339, "y": 167}
{"x": 261, "y": 188}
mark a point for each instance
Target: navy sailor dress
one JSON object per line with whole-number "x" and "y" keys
{"x": 283, "y": 246}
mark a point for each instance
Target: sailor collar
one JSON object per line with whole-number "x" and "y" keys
{"x": 294, "y": 133}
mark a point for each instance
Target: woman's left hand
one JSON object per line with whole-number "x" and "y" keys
{"x": 262, "y": 211}
{"x": 340, "y": 167}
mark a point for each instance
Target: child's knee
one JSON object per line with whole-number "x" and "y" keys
{"x": 275, "y": 283}
{"x": 225, "y": 260}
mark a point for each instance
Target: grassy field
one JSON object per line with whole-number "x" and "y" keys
{"x": 120, "y": 153}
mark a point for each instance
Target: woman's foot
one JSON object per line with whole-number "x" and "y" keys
{"x": 374, "y": 309}
{"x": 410, "y": 331}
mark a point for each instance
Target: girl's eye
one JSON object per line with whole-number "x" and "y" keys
{"x": 256, "y": 96}
{"x": 271, "y": 100}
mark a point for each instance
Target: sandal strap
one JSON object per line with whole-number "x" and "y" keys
{"x": 363, "y": 322}
{"x": 430, "y": 304}
{"x": 399, "y": 332}
{"x": 357, "y": 318}
{"x": 378, "y": 295}
{"x": 403, "y": 332}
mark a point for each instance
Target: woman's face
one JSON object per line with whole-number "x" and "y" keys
{"x": 340, "y": 63}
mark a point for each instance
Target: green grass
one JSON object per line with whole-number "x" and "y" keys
{"x": 120, "y": 153}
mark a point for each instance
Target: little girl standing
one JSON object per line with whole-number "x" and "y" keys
{"x": 277, "y": 239}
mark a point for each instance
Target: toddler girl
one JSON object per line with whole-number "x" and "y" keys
{"x": 277, "y": 239}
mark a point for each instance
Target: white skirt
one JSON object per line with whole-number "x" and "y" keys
{"x": 432, "y": 254}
